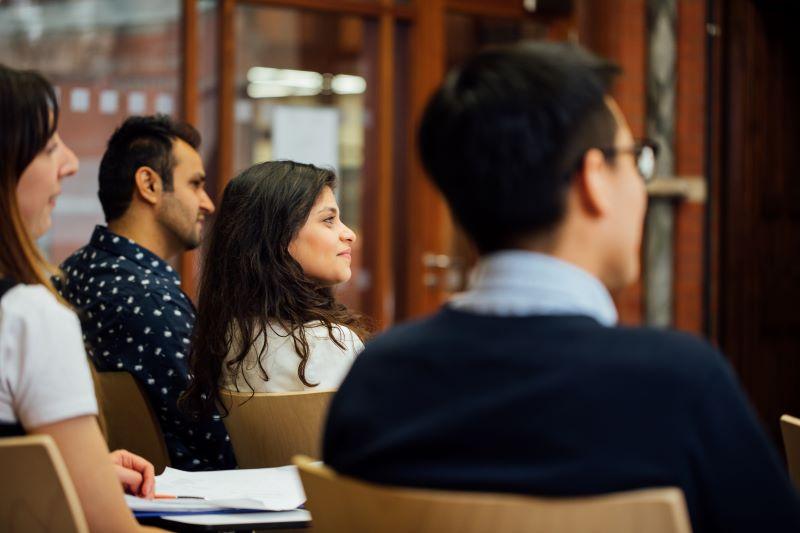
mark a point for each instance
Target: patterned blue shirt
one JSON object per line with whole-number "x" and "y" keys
{"x": 136, "y": 318}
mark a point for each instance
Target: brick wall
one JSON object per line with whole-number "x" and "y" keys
{"x": 690, "y": 161}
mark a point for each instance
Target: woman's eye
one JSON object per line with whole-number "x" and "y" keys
{"x": 329, "y": 220}
{"x": 51, "y": 148}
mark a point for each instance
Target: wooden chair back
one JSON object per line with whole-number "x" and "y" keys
{"x": 127, "y": 419}
{"x": 790, "y": 428}
{"x": 338, "y": 503}
{"x": 268, "y": 429}
{"x": 37, "y": 493}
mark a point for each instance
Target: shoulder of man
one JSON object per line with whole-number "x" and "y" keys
{"x": 674, "y": 357}
{"x": 669, "y": 355}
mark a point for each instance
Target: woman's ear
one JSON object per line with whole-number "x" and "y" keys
{"x": 148, "y": 185}
{"x": 593, "y": 183}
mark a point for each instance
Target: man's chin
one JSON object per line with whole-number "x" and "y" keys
{"x": 191, "y": 243}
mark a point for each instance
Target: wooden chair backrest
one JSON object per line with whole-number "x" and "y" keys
{"x": 790, "y": 428}
{"x": 339, "y": 503}
{"x": 267, "y": 429}
{"x": 127, "y": 419}
{"x": 36, "y": 493}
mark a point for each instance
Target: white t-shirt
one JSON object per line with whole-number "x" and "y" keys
{"x": 44, "y": 373}
{"x": 326, "y": 366}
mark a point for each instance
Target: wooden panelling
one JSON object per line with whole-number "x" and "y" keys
{"x": 353, "y": 7}
{"x": 189, "y": 113}
{"x": 428, "y": 225}
{"x": 380, "y": 296}
{"x": 511, "y": 8}
{"x": 227, "y": 66}
{"x": 759, "y": 202}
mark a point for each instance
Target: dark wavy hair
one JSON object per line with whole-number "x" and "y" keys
{"x": 250, "y": 282}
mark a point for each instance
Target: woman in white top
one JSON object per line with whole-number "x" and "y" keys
{"x": 45, "y": 384}
{"x": 267, "y": 320}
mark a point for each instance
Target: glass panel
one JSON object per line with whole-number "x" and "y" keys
{"x": 305, "y": 88}
{"x": 108, "y": 59}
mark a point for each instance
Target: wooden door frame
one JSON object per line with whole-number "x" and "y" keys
{"x": 430, "y": 230}
{"x": 377, "y": 237}
{"x": 750, "y": 324}
{"x": 189, "y": 105}
{"x": 397, "y": 275}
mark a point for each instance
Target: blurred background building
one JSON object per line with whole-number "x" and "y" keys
{"x": 342, "y": 83}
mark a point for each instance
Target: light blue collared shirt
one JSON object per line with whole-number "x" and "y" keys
{"x": 522, "y": 283}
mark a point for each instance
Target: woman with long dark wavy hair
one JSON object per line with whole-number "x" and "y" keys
{"x": 45, "y": 384}
{"x": 267, "y": 319}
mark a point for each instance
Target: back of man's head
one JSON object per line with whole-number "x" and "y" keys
{"x": 504, "y": 134}
{"x": 141, "y": 141}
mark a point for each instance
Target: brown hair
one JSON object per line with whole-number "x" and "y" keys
{"x": 251, "y": 283}
{"x": 29, "y": 115}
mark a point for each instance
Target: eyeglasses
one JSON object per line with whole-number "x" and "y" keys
{"x": 644, "y": 151}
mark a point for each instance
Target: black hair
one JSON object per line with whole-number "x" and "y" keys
{"x": 141, "y": 141}
{"x": 501, "y": 135}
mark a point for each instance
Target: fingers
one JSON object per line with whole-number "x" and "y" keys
{"x": 147, "y": 471}
{"x": 131, "y": 480}
{"x": 142, "y": 468}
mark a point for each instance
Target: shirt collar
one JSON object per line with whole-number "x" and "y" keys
{"x": 106, "y": 240}
{"x": 519, "y": 283}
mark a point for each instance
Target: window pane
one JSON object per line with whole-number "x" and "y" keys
{"x": 108, "y": 59}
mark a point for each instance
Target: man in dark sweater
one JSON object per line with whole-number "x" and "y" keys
{"x": 525, "y": 383}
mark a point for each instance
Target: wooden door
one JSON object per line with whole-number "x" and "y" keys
{"x": 432, "y": 254}
{"x": 757, "y": 201}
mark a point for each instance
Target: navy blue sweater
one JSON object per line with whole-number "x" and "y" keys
{"x": 558, "y": 406}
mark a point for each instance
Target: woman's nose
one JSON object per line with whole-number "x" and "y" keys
{"x": 70, "y": 165}
{"x": 348, "y": 235}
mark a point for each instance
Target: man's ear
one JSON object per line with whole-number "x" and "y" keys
{"x": 148, "y": 185}
{"x": 593, "y": 183}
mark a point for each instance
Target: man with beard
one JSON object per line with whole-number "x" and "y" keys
{"x": 134, "y": 315}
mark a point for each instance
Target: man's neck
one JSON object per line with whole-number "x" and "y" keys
{"x": 572, "y": 251}
{"x": 147, "y": 234}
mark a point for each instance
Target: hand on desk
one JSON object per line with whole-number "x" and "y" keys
{"x": 136, "y": 474}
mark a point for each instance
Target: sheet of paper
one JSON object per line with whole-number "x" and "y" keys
{"x": 170, "y": 506}
{"x": 266, "y": 489}
{"x": 306, "y": 135}
{"x": 298, "y": 515}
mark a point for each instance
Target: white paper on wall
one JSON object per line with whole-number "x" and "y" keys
{"x": 109, "y": 101}
{"x": 79, "y": 100}
{"x": 137, "y": 102}
{"x": 165, "y": 104}
{"x": 243, "y": 111}
{"x": 306, "y": 135}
